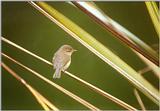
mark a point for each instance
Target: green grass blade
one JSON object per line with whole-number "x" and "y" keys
{"x": 119, "y": 31}
{"x": 98, "y": 49}
{"x": 154, "y": 14}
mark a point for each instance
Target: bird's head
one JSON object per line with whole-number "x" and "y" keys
{"x": 67, "y": 49}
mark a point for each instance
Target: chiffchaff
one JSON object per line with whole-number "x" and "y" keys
{"x": 62, "y": 59}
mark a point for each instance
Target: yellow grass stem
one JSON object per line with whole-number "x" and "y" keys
{"x": 70, "y": 94}
{"x": 139, "y": 100}
{"x": 151, "y": 66}
{"x": 154, "y": 14}
{"x": 103, "y": 93}
{"x": 36, "y": 94}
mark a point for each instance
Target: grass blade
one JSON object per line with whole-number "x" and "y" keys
{"x": 150, "y": 65}
{"x": 119, "y": 31}
{"x": 36, "y": 94}
{"x": 139, "y": 100}
{"x": 98, "y": 49}
{"x": 103, "y": 93}
{"x": 154, "y": 14}
{"x": 70, "y": 94}
{"x": 144, "y": 70}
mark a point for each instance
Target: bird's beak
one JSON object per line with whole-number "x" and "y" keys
{"x": 74, "y": 50}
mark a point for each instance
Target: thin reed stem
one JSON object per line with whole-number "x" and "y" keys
{"x": 53, "y": 107}
{"x": 139, "y": 100}
{"x": 151, "y": 66}
{"x": 144, "y": 70}
{"x": 107, "y": 95}
{"x": 70, "y": 94}
{"x": 26, "y": 51}
{"x": 41, "y": 99}
{"x": 38, "y": 98}
{"x": 103, "y": 93}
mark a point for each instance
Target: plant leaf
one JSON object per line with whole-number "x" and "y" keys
{"x": 124, "y": 35}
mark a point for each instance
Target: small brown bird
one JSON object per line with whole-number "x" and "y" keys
{"x": 62, "y": 59}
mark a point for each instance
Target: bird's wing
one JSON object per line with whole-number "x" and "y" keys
{"x": 57, "y": 61}
{"x": 60, "y": 61}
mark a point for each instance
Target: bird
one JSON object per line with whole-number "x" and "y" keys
{"x": 62, "y": 60}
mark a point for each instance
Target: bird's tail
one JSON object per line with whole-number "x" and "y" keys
{"x": 57, "y": 74}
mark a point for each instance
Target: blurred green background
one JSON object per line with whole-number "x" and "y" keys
{"x": 27, "y": 27}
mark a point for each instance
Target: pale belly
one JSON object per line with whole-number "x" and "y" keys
{"x": 67, "y": 65}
